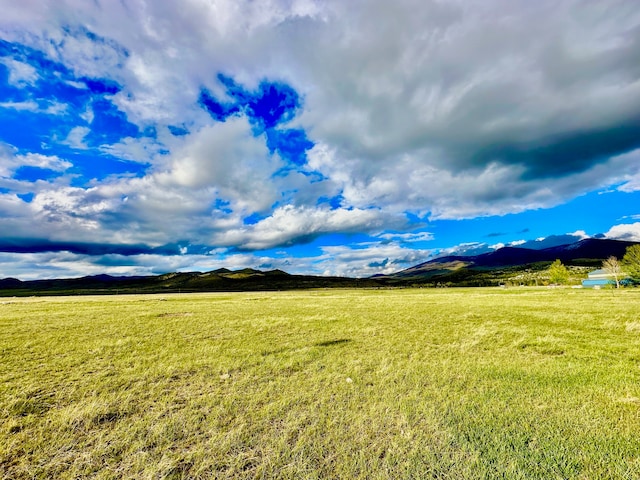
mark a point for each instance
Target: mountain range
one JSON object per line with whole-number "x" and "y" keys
{"x": 589, "y": 252}
{"x": 471, "y": 270}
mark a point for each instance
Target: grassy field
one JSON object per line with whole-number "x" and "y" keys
{"x": 460, "y": 384}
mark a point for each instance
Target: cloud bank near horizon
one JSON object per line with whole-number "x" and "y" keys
{"x": 241, "y": 128}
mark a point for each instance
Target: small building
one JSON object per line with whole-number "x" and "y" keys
{"x": 598, "y": 279}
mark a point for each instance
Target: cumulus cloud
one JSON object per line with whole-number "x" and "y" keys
{"x": 627, "y": 231}
{"x": 290, "y": 224}
{"x": 513, "y": 92}
{"x": 228, "y": 157}
{"x": 12, "y": 161}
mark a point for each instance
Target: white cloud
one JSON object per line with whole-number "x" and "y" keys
{"x": 289, "y": 224}
{"x": 20, "y": 73}
{"x": 632, "y": 184}
{"x": 76, "y": 136}
{"x": 67, "y": 210}
{"x": 581, "y": 234}
{"x": 627, "y": 231}
{"x": 466, "y": 248}
{"x": 141, "y": 150}
{"x": 31, "y": 106}
{"x": 409, "y": 182}
{"x": 44, "y": 161}
{"x": 12, "y": 162}
{"x": 11, "y": 206}
{"x": 368, "y": 260}
{"x": 28, "y": 105}
{"x": 88, "y": 114}
{"x": 228, "y": 158}
{"x": 408, "y": 237}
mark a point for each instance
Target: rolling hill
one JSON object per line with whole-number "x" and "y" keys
{"x": 221, "y": 280}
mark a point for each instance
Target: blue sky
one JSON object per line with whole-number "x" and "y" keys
{"x": 318, "y": 137}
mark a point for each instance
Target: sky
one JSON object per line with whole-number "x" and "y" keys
{"x": 140, "y": 137}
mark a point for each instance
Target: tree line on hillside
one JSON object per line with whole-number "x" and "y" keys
{"x": 619, "y": 270}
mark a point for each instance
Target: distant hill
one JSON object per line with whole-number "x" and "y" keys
{"x": 589, "y": 252}
{"x": 220, "y": 280}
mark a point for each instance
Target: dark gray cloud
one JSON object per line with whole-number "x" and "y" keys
{"x": 35, "y": 245}
{"x": 564, "y": 153}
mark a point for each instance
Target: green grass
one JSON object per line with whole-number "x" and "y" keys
{"x": 460, "y": 384}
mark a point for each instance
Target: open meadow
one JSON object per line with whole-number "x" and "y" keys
{"x": 448, "y": 383}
